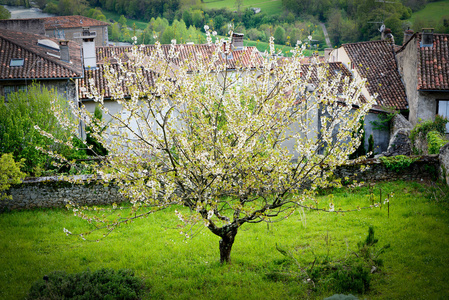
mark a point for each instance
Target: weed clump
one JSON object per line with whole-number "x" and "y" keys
{"x": 352, "y": 274}
{"x": 100, "y": 284}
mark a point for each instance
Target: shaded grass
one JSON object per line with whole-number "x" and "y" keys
{"x": 432, "y": 12}
{"x": 33, "y": 244}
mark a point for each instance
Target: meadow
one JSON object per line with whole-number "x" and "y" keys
{"x": 432, "y": 12}
{"x": 416, "y": 266}
{"x": 270, "y": 7}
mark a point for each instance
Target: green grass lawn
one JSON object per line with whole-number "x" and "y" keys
{"x": 32, "y": 244}
{"x": 270, "y": 7}
{"x": 432, "y": 12}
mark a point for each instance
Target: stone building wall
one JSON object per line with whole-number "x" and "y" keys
{"x": 55, "y": 192}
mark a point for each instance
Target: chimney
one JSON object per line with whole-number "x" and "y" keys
{"x": 64, "y": 50}
{"x": 327, "y": 54}
{"x": 388, "y": 36}
{"x": 237, "y": 41}
{"x": 407, "y": 36}
{"x": 89, "y": 55}
{"x": 427, "y": 37}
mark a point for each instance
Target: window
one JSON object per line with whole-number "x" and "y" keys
{"x": 16, "y": 62}
{"x": 443, "y": 110}
{"x": 9, "y": 89}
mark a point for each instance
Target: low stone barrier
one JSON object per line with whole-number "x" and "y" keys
{"x": 426, "y": 167}
{"x": 55, "y": 191}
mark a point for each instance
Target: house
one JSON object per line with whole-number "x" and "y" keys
{"x": 27, "y": 57}
{"x": 376, "y": 62}
{"x": 424, "y": 65}
{"x": 236, "y": 60}
{"x": 71, "y": 28}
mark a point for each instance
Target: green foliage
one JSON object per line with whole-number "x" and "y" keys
{"x": 4, "y": 13}
{"x": 341, "y": 297}
{"x": 351, "y": 274}
{"x": 97, "y": 14}
{"x": 385, "y": 119}
{"x": 360, "y": 151}
{"x": 94, "y": 146}
{"x": 367, "y": 249}
{"x": 9, "y": 173}
{"x": 18, "y": 117}
{"x": 435, "y": 141}
{"x": 100, "y": 284}
{"x": 371, "y": 146}
{"x": 423, "y": 128}
{"x": 397, "y": 163}
{"x": 25, "y": 3}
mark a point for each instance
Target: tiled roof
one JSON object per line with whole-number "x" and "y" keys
{"x": 71, "y": 22}
{"x": 375, "y": 61}
{"x": 433, "y": 63}
{"x": 39, "y": 62}
{"x": 333, "y": 69}
{"x": 100, "y": 83}
{"x": 240, "y": 58}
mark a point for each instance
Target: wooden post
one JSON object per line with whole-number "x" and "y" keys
{"x": 380, "y": 198}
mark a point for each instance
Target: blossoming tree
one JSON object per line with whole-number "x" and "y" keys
{"x": 192, "y": 133}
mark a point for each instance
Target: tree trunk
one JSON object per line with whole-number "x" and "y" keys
{"x": 226, "y": 242}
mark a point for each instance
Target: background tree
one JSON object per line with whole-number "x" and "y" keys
{"x": 4, "y": 13}
{"x": 24, "y": 110}
{"x": 214, "y": 141}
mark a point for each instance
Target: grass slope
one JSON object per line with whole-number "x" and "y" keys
{"x": 270, "y": 7}
{"x": 432, "y": 12}
{"x": 32, "y": 244}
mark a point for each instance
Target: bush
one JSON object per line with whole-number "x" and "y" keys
{"x": 18, "y": 117}
{"x": 435, "y": 141}
{"x": 398, "y": 162}
{"x": 422, "y": 129}
{"x": 101, "y": 284}
{"x": 9, "y": 173}
{"x": 352, "y": 274}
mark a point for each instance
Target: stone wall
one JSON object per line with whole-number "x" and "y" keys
{"x": 35, "y": 26}
{"x": 426, "y": 167}
{"x": 55, "y": 192}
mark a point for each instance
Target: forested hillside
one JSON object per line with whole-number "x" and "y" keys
{"x": 287, "y": 20}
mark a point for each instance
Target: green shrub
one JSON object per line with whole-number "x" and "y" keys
{"x": 352, "y": 274}
{"x": 9, "y": 173}
{"x": 435, "y": 141}
{"x": 18, "y": 117}
{"x": 101, "y": 284}
{"x": 371, "y": 146}
{"x": 397, "y": 163}
{"x": 422, "y": 129}
{"x": 360, "y": 151}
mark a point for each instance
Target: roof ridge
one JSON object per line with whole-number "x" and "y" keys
{"x": 364, "y": 42}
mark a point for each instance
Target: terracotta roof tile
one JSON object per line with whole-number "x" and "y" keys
{"x": 39, "y": 62}
{"x": 70, "y": 22}
{"x": 240, "y": 59}
{"x": 433, "y": 63}
{"x": 375, "y": 61}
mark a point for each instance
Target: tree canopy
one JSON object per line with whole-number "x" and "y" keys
{"x": 210, "y": 132}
